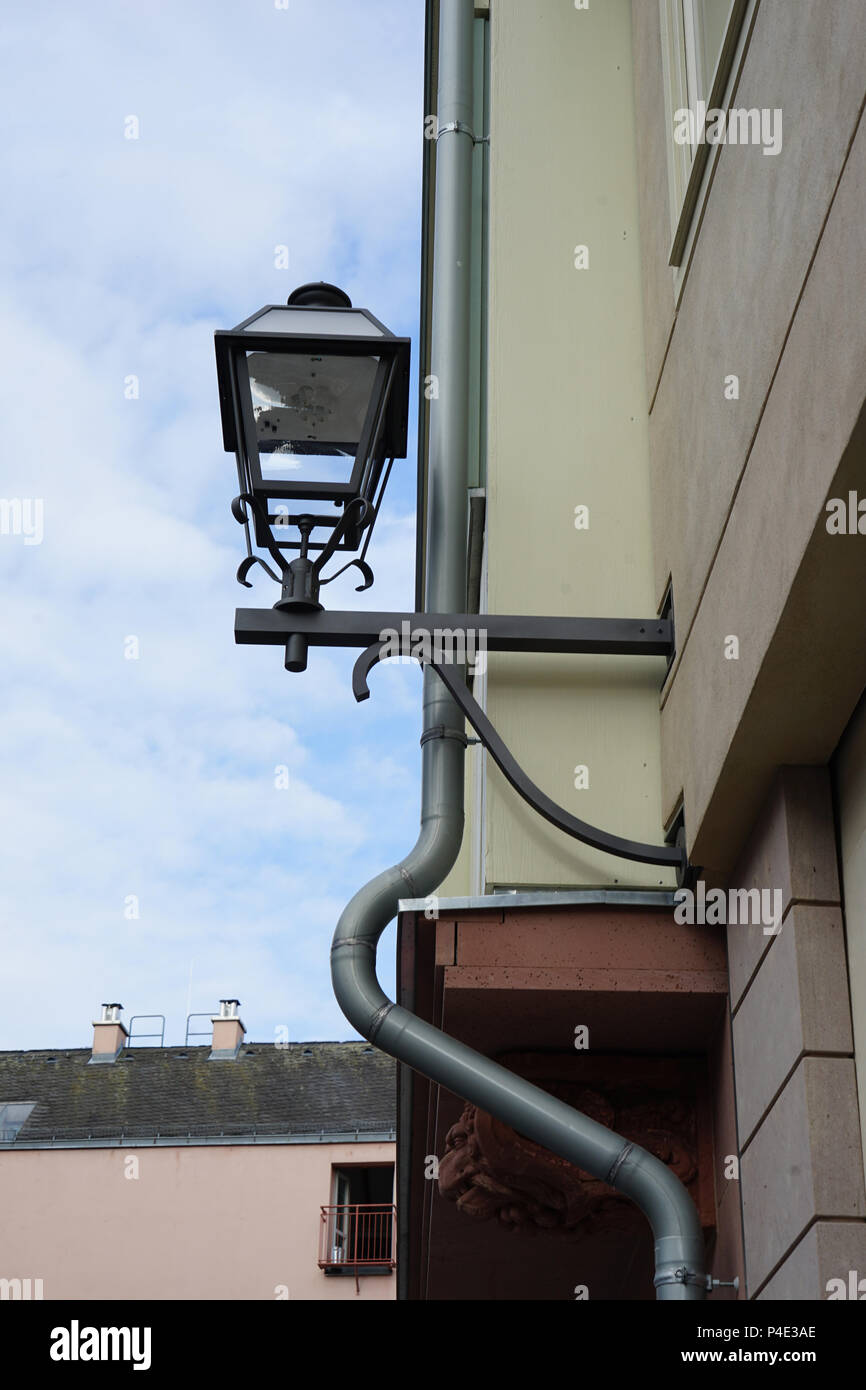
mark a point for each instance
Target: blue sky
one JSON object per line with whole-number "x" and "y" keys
{"x": 155, "y": 777}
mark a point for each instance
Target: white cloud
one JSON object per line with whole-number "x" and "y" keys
{"x": 155, "y": 776}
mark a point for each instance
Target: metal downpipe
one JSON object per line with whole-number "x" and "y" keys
{"x": 594, "y": 1148}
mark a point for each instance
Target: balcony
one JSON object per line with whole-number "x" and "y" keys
{"x": 357, "y": 1239}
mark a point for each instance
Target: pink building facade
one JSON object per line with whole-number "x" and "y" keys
{"x": 230, "y": 1172}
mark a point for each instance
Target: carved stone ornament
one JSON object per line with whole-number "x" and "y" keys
{"x": 491, "y": 1171}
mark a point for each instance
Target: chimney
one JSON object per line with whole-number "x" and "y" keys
{"x": 109, "y": 1034}
{"x": 228, "y": 1032}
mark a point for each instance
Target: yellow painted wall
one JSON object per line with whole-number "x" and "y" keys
{"x": 566, "y": 427}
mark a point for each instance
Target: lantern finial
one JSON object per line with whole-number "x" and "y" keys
{"x": 319, "y": 294}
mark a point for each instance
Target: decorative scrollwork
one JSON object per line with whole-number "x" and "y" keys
{"x": 246, "y": 565}
{"x": 357, "y": 504}
{"x": 246, "y": 499}
{"x": 359, "y": 564}
{"x": 354, "y": 512}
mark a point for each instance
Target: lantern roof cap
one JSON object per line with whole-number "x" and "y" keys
{"x": 320, "y": 295}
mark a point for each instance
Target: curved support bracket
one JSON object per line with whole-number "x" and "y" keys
{"x": 367, "y": 574}
{"x": 669, "y": 856}
{"x": 359, "y": 564}
{"x": 246, "y": 565}
{"x": 246, "y": 499}
{"x": 336, "y": 536}
{"x": 370, "y": 657}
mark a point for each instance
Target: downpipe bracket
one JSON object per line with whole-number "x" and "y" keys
{"x": 442, "y": 731}
{"x": 461, "y": 128}
{"x": 683, "y": 1275}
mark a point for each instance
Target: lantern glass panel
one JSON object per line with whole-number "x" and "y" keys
{"x": 309, "y": 412}
{"x": 351, "y": 322}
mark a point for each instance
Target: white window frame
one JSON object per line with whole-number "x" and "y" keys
{"x": 682, "y": 64}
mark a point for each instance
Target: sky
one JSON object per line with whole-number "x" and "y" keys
{"x": 149, "y": 853}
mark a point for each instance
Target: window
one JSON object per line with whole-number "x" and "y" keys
{"x": 698, "y": 42}
{"x": 357, "y": 1229}
{"x": 705, "y": 22}
{"x": 13, "y": 1114}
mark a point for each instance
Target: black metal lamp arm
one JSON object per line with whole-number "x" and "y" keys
{"x": 669, "y": 856}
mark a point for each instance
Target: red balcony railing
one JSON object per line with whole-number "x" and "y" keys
{"x": 356, "y": 1236}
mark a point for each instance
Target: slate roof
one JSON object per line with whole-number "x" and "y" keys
{"x": 300, "y": 1088}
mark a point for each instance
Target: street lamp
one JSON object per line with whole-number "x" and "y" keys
{"x": 314, "y": 398}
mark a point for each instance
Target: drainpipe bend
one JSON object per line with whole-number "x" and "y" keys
{"x": 638, "y": 1174}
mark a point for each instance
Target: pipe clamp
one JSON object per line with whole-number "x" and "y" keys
{"x": 688, "y": 1276}
{"x": 442, "y": 731}
{"x": 460, "y": 128}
